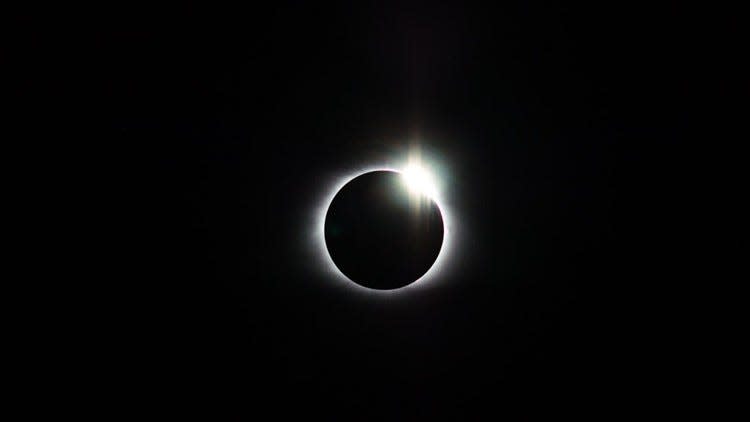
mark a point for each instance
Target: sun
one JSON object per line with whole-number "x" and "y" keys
{"x": 419, "y": 181}
{"x": 421, "y": 178}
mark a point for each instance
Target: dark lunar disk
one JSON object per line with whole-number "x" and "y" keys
{"x": 379, "y": 234}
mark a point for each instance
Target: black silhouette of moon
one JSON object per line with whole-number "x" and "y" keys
{"x": 381, "y": 235}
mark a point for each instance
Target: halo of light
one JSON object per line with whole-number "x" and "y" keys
{"x": 419, "y": 178}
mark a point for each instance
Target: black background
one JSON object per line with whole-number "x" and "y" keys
{"x": 562, "y": 130}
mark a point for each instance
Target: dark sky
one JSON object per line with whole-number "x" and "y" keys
{"x": 553, "y": 123}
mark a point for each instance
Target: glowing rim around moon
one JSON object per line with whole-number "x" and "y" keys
{"x": 427, "y": 278}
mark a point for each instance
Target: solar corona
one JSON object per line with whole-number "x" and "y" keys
{"x": 385, "y": 229}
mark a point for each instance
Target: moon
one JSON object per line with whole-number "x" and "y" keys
{"x": 383, "y": 230}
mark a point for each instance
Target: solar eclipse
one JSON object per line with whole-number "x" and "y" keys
{"x": 383, "y": 230}
{"x": 386, "y": 229}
